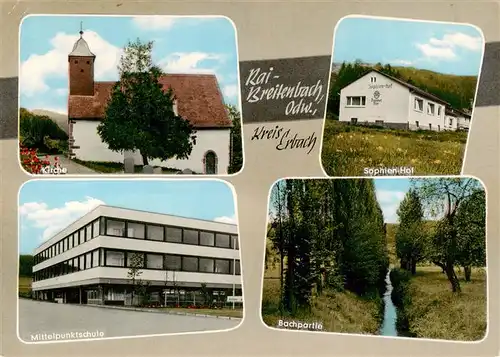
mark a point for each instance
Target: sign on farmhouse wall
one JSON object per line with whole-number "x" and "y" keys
{"x": 376, "y": 98}
{"x": 284, "y": 89}
{"x": 380, "y": 86}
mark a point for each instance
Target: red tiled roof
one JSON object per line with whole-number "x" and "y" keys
{"x": 199, "y": 100}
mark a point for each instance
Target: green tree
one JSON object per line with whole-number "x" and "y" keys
{"x": 443, "y": 197}
{"x": 279, "y": 237}
{"x": 410, "y": 235}
{"x": 236, "y": 161}
{"x": 26, "y": 265}
{"x": 471, "y": 232}
{"x": 140, "y": 113}
{"x": 330, "y": 234}
{"x": 36, "y": 131}
{"x": 135, "y": 264}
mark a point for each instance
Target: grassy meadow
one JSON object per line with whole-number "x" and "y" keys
{"x": 436, "y": 313}
{"x": 341, "y": 312}
{"x": 347, "y": 150}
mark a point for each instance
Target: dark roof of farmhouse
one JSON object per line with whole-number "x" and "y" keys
{"x": 411, "y": 87}
{"x": 452, "y": 111}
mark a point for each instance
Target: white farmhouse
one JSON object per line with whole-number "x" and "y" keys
{"x": 379, "y": 99}
{"x": 198, "y": 99}
{"x": 457, "y": 120}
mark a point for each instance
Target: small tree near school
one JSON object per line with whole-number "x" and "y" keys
{"x": 140, "y": 113}
{"x": 136, "y": 264}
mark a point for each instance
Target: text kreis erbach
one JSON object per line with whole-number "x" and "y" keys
{"x": 285, "y": 139}
{"x": 301, "y": 97}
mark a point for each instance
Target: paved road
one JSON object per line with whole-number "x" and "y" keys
{"x": 41, "y": 317}
{"x": 73, "y": 167}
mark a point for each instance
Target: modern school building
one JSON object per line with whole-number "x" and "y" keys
{"x": 90, "y": 261}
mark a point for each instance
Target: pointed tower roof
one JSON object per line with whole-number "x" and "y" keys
{"x": 81, "y": 48}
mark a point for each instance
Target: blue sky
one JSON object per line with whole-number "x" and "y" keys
{"x": 47, "y": 206}
{"x": 441, "y": 47}
{"x": 390, "y": 192}
{"x": 181, "y": 45}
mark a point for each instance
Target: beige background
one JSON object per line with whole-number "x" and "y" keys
{"x": 265, "y": 31}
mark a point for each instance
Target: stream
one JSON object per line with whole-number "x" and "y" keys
{"x": 388, "y": 327}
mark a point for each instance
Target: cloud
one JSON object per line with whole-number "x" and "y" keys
{"x": 35, "y": 71}
{"x": 53, "y": 220}
{"x": 188, "y": 62}
{"x": 231, "y": 90}
{"x": 433, "y": 52}
{"x": 445, "y": 48}
{"x": 43, "y": 109}
{"x": 454, "y": 40}
{"x": 154, "y": 23}
{"x": 401, "y": 62}
{"x": 389, "y": 203}
{"x": 61, "y": 91}
{"x": 226, "y": 219}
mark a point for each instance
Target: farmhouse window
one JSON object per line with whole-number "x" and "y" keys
{"x": 419, "y": 104}
{"x": 373, "y": 79}
{"x": 354, "y": 120}
{"x": 356, "y": 101}
{"x": 430, "y": 108}
{"x": 417, "y": 124}
{"x": 451, "y": 122}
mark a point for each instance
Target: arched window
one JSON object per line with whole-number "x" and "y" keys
{"x": 210, "y": 163}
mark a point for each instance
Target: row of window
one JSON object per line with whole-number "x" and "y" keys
{"x": 139, "y": 260}
{"x": 176, "y": 295}
{"x": 431, "y": 107}
{"x": 360, "y": 101}
{"x": 138, "y": 230}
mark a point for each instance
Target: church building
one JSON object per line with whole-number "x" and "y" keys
{"x": 198, "y": 99}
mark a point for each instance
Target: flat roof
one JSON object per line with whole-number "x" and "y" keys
{"x": 156, "y": 218}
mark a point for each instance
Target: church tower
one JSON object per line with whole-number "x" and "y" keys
{"x": 81, "y": 68}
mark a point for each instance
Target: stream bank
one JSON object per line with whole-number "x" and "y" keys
{"x": 389, "y": 322}
{"x": 400, "y": 298}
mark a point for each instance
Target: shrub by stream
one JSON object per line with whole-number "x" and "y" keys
{"x": 401, "y": 299}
